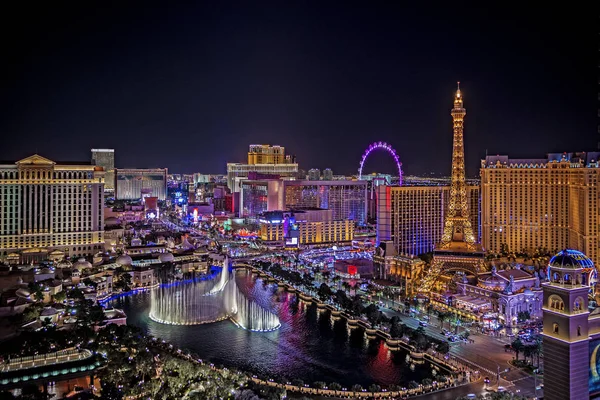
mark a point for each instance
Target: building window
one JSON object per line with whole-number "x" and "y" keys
{"x": 556, "y": 303}
{"x": 555, "y": 328}
{"x": 579, "y": 330}
{"x": 578, "y": 305}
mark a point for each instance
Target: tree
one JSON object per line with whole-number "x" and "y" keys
{"x": 123, "y": 282}
{"x": 335, "y": 386}
{"x": 372, "y": 313}
{"x": 427, "y": 382}
{"x": 36, "y": 291}
{"x": 60, "y": 296}
{"x": 319, "y": 384}
{"x": 32, "y": 312}
{"x": 324, "y": 292}
{"x": 413, "y": 385}
{"x": 374, "y": 388}
{"x": 517, "y": 346}
{"x": 443, "y": 347}
{"x": 396, "y": 330}
{"x": 357, "y": 388}
{"x": 523, "y": 316}
{"x": 419, "y": 339}
{"x": 442, "y": 317}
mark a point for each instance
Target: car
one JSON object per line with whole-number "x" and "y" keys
{"x": 471, "y": 396}
{"x": 486, "y": 380}
{"x": 422, "y": 323}
{"x": 501, "y": 389}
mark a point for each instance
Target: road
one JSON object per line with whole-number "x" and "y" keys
{"x": 486, "y": 352}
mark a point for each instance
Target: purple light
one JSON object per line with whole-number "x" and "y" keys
{"x": 385, "y": 146}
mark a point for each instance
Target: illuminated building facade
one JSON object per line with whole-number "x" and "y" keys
{"x": 549, "y": 203}
{"x": 346, "y": 199}
{"x": 105, "y": 158}
{"x": 133, "y": 184}
{"x": 571, "y": 334}
{"x": 237, "y": 172}
{"x": 262, "y": 159}
{"x": 412, "y": 217}
{"x": 459, "y": 248}
{"x": 304, "y": 227}
{"x": 266, "y": 154}
{"x": 258, "y": 196}
{"x": 405, "y": 269}
{"x": 48, "y": 205}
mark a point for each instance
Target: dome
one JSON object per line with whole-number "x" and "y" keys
{"x": 124, "y": 260}
{"x": 82, "y": 264}
{"x": 166, "y": 257}
{"x": 570, "y": 259}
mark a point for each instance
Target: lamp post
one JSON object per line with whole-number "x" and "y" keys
{"x": 535, "y": 371}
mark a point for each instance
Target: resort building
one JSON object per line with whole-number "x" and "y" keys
{"x": 304, "y": 227}
{"x": 47, "y": 205}
{"x": 550, "y": 203}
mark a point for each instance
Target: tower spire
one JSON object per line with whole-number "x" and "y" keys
{"x": 457, "y": 225}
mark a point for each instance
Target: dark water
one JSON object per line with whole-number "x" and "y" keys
{"x": 309, "y": 345}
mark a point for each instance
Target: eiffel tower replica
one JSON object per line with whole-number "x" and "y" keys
{"x": 458, "y": 249}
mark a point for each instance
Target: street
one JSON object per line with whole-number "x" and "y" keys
{"x": 486, "y": 352}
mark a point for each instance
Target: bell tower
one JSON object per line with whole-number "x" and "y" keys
{"x": 566, "y": 337}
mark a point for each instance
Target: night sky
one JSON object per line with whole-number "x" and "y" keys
{"x": 190, "y": 87}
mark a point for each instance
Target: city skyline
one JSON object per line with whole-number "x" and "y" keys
{"x": 309, "y": 79}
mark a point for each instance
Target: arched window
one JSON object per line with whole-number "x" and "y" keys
{"x": 579, "y": 330}
{"x": 578, "y": 305}
{"x": 556, "y": 277}
{"x": 556, "y": 303}
{"x": 555, "y": 328}
{"x": 567, "y": 278}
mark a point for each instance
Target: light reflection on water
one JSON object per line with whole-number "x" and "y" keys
{"x": 310, "y": 345}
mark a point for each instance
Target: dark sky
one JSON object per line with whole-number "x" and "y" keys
{"x": 190, "y": 87}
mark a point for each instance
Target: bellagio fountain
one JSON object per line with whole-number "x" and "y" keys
{"x": 202, "y": 302}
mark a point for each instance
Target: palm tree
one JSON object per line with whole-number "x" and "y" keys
{"x": 517, "y": 346}
{"x": 442, "y": 316}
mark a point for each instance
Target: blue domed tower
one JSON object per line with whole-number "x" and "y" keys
{"x": 565, "y": 314}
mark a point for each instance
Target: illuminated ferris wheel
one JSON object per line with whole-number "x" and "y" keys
{"x": 384, "y": 146}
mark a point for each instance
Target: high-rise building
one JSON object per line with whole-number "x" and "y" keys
{"x": 459, "y": 248}
{"x": 327, "y": 174}
{"x": 305, "y": 226}
{"x": 237, "y": 172}
{"x": 266, "y": 154}
{"x": 346, "y": 199}
{"x": 412, "y": 217}
{"x": 531, "y": 204}
{"x": 262, "y": 159}
{"x": 46, "y": 205}
{"x": 105, "y": 158}
{"x": 133, "y": 184}
{"x": 314, "y": 174}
